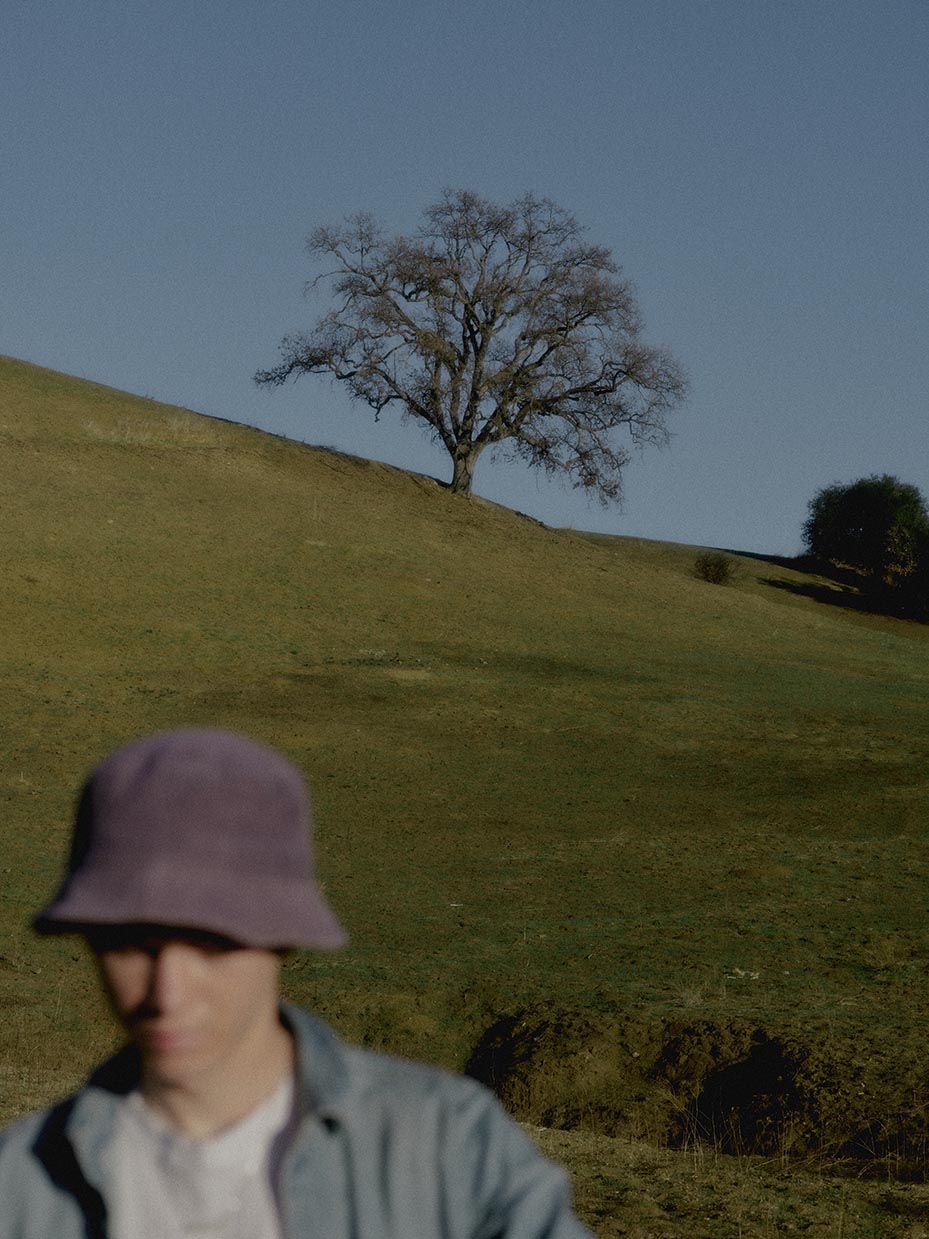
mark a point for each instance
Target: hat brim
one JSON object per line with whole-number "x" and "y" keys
{"x": 271, "y": 914}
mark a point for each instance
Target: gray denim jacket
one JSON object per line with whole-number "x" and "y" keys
{"x": 383, "y": 1149}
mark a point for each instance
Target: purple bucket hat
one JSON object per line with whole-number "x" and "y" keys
{"x": 196, "y": 829}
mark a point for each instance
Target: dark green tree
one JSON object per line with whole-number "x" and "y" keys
{"x": 491, "y": 325}
{"x": 878, "y": 525}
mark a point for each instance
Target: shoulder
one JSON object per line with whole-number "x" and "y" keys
{"x": 482, "y": 1163}
{"x": 422, "y": 1093}
{"x": 34, "y": 1162}
{"x": 38, "y": 1134}
{"x": 19, "y": 1136}
{"x": 386, "y": 1071}
{"x": 436, "y": 1142}
{"x": 448, "y": 1118}
{"x": 343, "y": 1076}
{"x": 25, "y": 1136}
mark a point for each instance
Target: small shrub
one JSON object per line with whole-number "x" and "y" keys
{"x": 714, "y": 567}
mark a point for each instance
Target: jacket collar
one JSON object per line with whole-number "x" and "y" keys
{"x": 324, "y": 1083}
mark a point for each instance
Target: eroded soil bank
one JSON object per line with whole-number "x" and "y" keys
{"x": 736, "y": 1086}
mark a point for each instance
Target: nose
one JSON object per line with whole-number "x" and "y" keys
{"x": 167, "y": 978}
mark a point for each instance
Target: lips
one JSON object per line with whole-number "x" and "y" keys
{"x": 165, "y": 1040}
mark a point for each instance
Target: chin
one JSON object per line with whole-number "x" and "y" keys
{"x": 170, "y": 1060}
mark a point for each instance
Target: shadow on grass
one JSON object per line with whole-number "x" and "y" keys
{"x": 851, "y": 598}
{"x": 836, "y": 587}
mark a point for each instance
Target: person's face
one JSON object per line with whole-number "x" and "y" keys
{"x": 196, "y": 1005}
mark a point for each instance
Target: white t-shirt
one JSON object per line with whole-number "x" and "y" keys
{"x": 163, "y": 1185}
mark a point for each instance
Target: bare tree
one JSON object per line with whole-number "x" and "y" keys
{"x": 491, "y": 324}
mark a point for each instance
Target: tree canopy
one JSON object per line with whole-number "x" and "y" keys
{"x": 491, "y": 325}
{"x": 877, "y": 524}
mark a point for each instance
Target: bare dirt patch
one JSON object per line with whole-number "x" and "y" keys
{"x": 733, "y": 1086}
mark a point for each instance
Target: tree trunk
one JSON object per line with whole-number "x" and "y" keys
{"x": 464, "y": 460}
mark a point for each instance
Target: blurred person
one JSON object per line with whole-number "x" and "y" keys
{"x": 230, "y": 1113}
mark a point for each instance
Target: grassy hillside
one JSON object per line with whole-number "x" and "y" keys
{"x": 567, "y": 794}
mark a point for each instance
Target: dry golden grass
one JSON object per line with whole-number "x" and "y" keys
{"x": 635, "y": 1191}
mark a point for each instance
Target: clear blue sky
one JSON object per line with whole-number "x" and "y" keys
{"x": 759, "y": 167}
